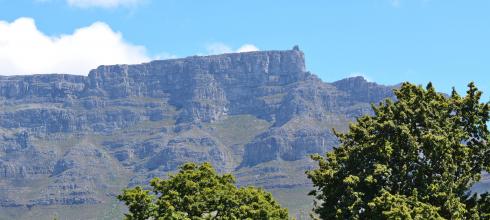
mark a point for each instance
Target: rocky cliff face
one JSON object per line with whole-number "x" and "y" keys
{"x": 76, "y": 140}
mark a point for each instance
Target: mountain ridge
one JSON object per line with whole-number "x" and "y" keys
{"x": 71, "y": 141}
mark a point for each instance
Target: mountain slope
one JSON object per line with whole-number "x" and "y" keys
{"x": 70, "y": 143}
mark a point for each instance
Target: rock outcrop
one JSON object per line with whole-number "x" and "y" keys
{"x": 77, "y": 140}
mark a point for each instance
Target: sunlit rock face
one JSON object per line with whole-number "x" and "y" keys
{"x": 78, "y": 140}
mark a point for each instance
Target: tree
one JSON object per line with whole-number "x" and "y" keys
{"x": 414, "y": 158}
{"x": 198, "y": 192}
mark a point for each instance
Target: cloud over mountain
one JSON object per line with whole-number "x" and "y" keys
{"x": 219, "y": 48}
{"x": 24, "y": 49}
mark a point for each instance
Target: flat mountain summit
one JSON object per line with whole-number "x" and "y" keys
{"x": 69, "y": 144}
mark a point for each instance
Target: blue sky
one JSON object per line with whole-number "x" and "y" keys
{"x": 387, "y": 41}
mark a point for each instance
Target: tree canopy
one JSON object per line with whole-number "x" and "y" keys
{"x": 198, "y": 192}
{"x": 414, "y": 158}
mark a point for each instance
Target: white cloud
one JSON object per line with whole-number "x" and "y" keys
{"x": 220, "y": 48}
{"x": 26, "y": 50}
{"x": 247, "y": 48}
{"x": 102, "y": 3}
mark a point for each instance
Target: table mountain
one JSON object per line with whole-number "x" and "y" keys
{"x": 69, "y": 144}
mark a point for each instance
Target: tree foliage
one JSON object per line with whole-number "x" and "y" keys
{"x": 415, "y": 158}
{"x": 198, "y": 192}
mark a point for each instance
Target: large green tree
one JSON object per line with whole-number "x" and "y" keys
{"x": 414, "y": 158}
{"x": 198, "y": 192}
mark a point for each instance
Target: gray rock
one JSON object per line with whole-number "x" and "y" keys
{"x": 78, "y": 140}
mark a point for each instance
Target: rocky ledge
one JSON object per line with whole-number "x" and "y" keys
{"x": 71, "y": 140}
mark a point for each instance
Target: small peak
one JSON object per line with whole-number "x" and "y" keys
{"x": 296, "y": 48}
{"x": 358, "y": 78}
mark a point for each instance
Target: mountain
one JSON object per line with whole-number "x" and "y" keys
{"x": 69, "y": 144}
